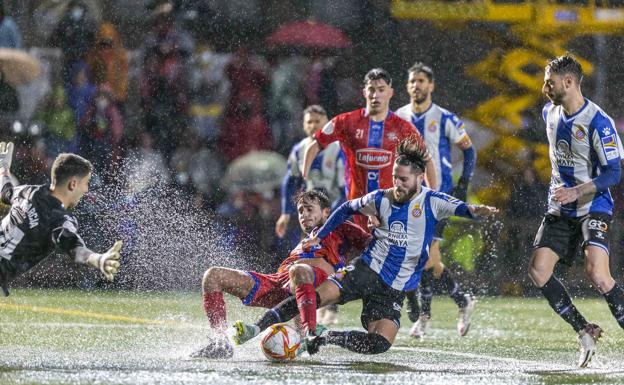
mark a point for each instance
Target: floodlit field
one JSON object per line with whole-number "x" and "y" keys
{"x": 72, "y": 337}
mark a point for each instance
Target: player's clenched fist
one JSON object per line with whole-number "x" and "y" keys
{"x": 6, "y": 155}
{"x": 108, "y": 262}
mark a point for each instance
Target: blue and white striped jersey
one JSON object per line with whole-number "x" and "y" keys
{"x": 327, "y": 173}
{"x": 440, "y": 128}
{"x": 582, "y": 147}
{"x": 400, "y": 246}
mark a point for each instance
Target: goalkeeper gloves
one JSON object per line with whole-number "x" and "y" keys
{"x": 108, "y": 262}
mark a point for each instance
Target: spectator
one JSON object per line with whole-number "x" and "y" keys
{"x": 210, "y": 92}
{"x": 10, "y": 35}
{"x": 80, "y": 90}
{"x": 74, "y": 35}
{"x": 164, "y": 83}
{"x": 245, "y": 126}
{"x": 101, "y": 131}
{"x": 108, "y": 62}
{"x": 58, "y": 124}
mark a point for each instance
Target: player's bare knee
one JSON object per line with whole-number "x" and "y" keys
{"x": 438, "y": 268}
{"x": 601, "y": 280}
{"x": 301, "y": 274}
{"x": 210, "y": 280}
{"x": 539, "y": 274}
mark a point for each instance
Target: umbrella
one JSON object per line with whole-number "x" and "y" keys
{"x": 18, "y": 67}
{"x": 309, "y": 34}
{"x": 257, "y": 171}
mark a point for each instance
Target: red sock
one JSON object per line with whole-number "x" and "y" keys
{"x": 306, "y": 301}
{"x": 214, "y": 306}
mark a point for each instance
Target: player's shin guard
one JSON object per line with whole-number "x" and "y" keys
{"x": 214, "y": 306}
{"x": 426, "y": 292}
{"x": 359, "y": 342}
{"x": 453, "y": 289}
{"x": 615, "y": 299}
{"x": 560, "y": 301}
{"x": 306, "y": 301}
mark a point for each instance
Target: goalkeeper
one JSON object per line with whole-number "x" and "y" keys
{"x": 38, "y": 221}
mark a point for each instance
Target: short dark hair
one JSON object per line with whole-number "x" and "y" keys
{"x": 315, "y": 109}
{"x": 378, "y": 74}
{"x": 313, "y": 196}
{"x": 411, "y": 151}
{"x": 67, "y": 165}
{"x": 421, "y": 67}
{"x": 566, "y": 64}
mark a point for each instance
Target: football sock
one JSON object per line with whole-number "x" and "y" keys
{"x": 358, "y": 342}
{"x": 453, "y": 289}
{"x": 426, "y": 292}
{"x": 413, "y": 308}
{"x": 283, "y": 312}
{"x": 615, "y": 299}
{"x": 560, "y": 301}
{"x": 214, "y": 306}
{"x": 306, "y": 301}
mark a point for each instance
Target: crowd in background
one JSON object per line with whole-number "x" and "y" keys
{"x": 176, "y": 113}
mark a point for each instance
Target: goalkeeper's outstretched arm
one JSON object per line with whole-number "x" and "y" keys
{"x": 107, "y": 263}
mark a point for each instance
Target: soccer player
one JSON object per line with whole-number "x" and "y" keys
{"x": 368, "y": 137}
{"x": 440, "y": 128}
{"x": 299, "y": 274}
{"x": 326, "y": 173}
{"x": 391, "y": 264}
{"x": 38, "y": 221}
{"x": 585, "y": 155}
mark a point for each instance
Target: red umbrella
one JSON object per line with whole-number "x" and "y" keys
{"x": 309, "y": 34}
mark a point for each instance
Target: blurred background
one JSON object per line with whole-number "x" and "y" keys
{"x": 188, "y": 110}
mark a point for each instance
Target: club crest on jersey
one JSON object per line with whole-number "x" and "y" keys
{"x": 397, "y": 234}
{"x": 329, "y": 128}
{"x": 579, "y": 133}
{"x": 433, "y": 126}
{"x": 392, "y": 136}
{"x": 373, "y": 158}
{"x": 416, "y": 211}
{"x": 563, "y": 154}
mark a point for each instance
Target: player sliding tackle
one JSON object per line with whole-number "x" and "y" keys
{"x": 300, "y": 273}
{"x": 38, "y": 221}
{"x": 391, "y": 265}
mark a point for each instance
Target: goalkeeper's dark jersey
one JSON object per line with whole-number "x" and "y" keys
{"x": 36, "y": 225}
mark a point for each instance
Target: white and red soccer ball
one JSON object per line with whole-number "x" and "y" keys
{"x": 280, "y": 343}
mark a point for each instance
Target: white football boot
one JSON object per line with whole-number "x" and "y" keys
{"x": 421, "y": 327}
{"x": 463, "y": 324}
{"x": 587, "y": 340}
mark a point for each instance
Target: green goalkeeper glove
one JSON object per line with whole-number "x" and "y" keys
{"x": 108, "y": 262}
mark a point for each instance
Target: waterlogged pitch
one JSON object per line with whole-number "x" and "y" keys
{"x": 71, "y": 337}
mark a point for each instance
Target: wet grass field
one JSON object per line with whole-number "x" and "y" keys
{"x": 74, "y": 337}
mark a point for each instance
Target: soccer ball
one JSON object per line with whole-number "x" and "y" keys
{"x": 280, "y": 343}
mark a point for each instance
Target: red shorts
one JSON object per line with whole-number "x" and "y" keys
{"x": 271, "y": 289}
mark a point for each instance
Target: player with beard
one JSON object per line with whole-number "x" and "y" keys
{"x": 440, "y": 128}
{"x": 391, "y": 264}
{"x": 368, "y": 137}
{"x": 38, "y": 222}
{"x": 299, "y": 274}
{"x": 585, "y": 156}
